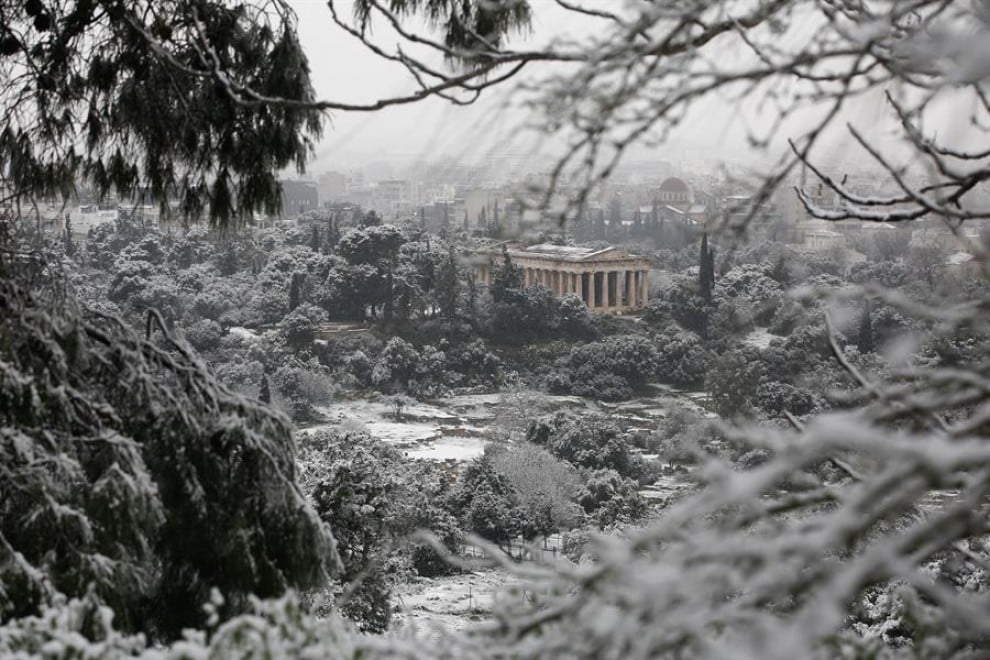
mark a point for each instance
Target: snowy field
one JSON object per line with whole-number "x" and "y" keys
{"x": 455, "y": 428}
{"x": 449, "y": 603}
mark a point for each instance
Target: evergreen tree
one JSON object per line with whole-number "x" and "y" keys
{"x": 314, "y": 240}
{"x": 294, "y": 290}
{"x": 637, "y": 227}
{"x": 333, "y": 231}
{"x": 486, "y": 502}
{"x": 505, "y": 278}
{"x": 265, "y": 391}
{"x": 598, "y": 229}
{"x": 653, "y": 228}
{"x": 70, "y": 245}
{"x": 144, "y": 83}
{"x": 706, "y": 277}
{"x": 447, "y": 287}
{"x": 865, "y": 342}
{"x": 153, "y": 486}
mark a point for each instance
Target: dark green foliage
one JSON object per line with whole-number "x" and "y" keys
{"x": 592, "y": 442}
{"x": 447, "y": 287}
{"x": 265, "y": 391}
{"x": 731, "y": 383}
{"x": 680, "y": 301}
{"x": 121, "y": 94}
{"x": 70, "y": 244}
{"x": 485, "y": 502}
{"x": 126, "y": 466}
{"x": 776, "y": 399}
{"x": 374, "y": 499}
{"x": 575, "y": 320}
{"x": 610, "y": 498}
{"x": 373, "y": 254}
{"x": 294, "y": 287}
{"x": 706, "y": 270}
{"x": 891, "y": 274}
{"x": 681, "y": 357}
{"x": 520, "y": 315}
{"x": 611, "y": 369}
{"x": 865, "y": 340}
{"x": 358, "y": 495}
{"x": 472, "y": 29}
{"x": 299, "y": 389}
{"x": 299, "y": 326}
{"x": 506, "y": 278}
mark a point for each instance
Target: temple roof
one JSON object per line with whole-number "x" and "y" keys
{"x": 572, "y": 253}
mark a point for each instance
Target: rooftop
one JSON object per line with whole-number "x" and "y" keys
{"x": 673, "y": 184}
{"x": 570, "y": 253}
{"x": 570, "y": 250}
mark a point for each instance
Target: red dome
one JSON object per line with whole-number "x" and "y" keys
{"x": 674, "y": 185}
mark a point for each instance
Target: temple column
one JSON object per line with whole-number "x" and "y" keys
{"x": 634, "y": 297}
{"x": 628, "y": 291}
{"x": 645, "y": 287}
{"x": 614, "y": 299}
{"x": 592, "y": 291}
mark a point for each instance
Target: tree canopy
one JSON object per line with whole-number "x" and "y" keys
{"x": 143, "y": 100}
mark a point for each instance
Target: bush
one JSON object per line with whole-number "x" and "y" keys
{"x": 204, "y": 335}
{"x": 546, "y": 485}
{"x": 611, "y": 369}
{"x": 297, "y": 390}
{"x": 299, "y": 326}
{"x": 731, "y": 384}
{"x": 681, "y": 358}
{"x": 611, "y": 499}
{"x": 776, "y": 398}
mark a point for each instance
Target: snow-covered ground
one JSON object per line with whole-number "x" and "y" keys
{"x": 244, "y": 333}
{"x": 759, "y": 338}
{"x": 455, "y": 428}
{"x": 449, "y": 603}
{"x": 449, "y": 448}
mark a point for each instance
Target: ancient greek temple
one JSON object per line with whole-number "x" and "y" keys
{"x": 607, "y": 280}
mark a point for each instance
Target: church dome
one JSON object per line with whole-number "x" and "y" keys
{"x": 674, "y": 185}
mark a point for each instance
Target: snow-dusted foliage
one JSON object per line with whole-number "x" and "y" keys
{"x": 127, "y": 469}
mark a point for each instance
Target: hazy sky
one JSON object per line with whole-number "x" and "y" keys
{"x": 343, "y": 69}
